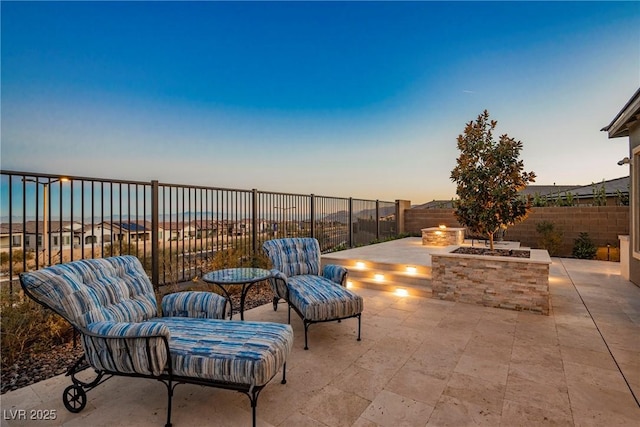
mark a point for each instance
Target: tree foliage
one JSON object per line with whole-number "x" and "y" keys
{"x": 550, "y": 237}
{"x": 583, "y": 247}
{"x": 488, "y": 176}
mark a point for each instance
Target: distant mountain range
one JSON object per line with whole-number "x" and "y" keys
{"x": 340, "y": 216}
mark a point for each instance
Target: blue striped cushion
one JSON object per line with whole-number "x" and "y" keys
{"x": 319, "y": 299}
{"x": 127, "y": 356}
{"x": 294, "y": 256}
{"x": 93, "y": 290}
{"x": 232, "y": 351}
{"x": 226, "y": 350}
{"x": 206, "y": 305}
{"x": 335, "y": 273}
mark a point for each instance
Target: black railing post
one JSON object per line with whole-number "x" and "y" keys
{"x": 350, "y": 222}
{"x": 377, "y": 220}
{"x": 313, "y": 216}
{"x": 254, "y": 221}
{"x": 155, "y": 226}
{"x": 24, "y": 252}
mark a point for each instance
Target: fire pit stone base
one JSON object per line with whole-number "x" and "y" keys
{"x": 520, "y": 284}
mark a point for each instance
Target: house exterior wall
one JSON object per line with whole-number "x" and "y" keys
{"x": 634, "y": 202}
{"x": 96, "y": 235}
{"x": 11, "y": 242}
{"x": 55, "y": 241}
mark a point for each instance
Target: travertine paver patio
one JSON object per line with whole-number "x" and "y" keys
{"x": 422, "y": 362}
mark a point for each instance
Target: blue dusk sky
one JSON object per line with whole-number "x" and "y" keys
{"x": 361, "y": 99}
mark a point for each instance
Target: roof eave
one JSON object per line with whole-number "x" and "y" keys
{"x": 629, "y": 115}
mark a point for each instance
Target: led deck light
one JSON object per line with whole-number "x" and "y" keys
{"x": 401, "y": 292}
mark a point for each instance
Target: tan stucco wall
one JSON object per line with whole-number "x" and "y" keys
{"x": 634, "y": 263}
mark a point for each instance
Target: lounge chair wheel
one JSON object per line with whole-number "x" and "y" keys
{"x": 275, "y": 303}
{"x": 74, "y": 398}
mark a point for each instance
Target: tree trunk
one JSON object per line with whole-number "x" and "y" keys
{"x": 490, "y": 241}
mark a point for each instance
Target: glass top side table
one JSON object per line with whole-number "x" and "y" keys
{"x": 245, "y": 276}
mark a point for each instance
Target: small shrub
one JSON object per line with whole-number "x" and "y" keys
{"x": 116, "y": 249}
{"x": 238, "y": 257}
{"x": 566, "y": 200}
{"x": 550, "y": 237}
{"x": 539, "y": 200}
{"x": 622, "y": 199}
{"x": 583, "y": 247}
{"x": 27, "y": 326}
{"x": 17, "y": 256}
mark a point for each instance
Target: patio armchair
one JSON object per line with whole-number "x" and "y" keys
{"x": 112, "y": 304}
{"x": 317, "y": 295}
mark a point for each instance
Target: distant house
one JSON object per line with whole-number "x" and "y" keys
{"x": 613, "y": 192}
{"x": 240, "y": 228}
{"x": 203, "y": 228}
{"x": 61, "y": 234}
{"x": 97, "y": 234}
{"x": 263, "y": 226}
{"x": 627, "y": 123}
{"x": 29, "y": 236}
{"x": 110, "y": 232}
{"x": 11, "y": 237}
{"x": 187, "y": 230}
{"x": 172, "y": 230}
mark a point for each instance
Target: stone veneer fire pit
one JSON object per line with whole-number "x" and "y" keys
{"x": 442, "y": 236}
{"x": 520, "y": 284}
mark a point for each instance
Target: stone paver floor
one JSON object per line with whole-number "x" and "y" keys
{"x": 421, "y": 362}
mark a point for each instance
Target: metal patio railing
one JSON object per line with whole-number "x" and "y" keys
{"x": 175, "y": 230}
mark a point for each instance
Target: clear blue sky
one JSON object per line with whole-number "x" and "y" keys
{"x": 338, "y": 99}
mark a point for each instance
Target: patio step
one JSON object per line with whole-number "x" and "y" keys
{"x": 415, "y": 280}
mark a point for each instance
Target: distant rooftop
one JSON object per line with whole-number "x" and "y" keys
{"x": 612, "y": 187}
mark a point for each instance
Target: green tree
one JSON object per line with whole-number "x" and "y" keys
{"x": 488, "y": 176}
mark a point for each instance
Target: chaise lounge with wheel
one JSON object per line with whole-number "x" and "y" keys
{"x": 111, "y": 302}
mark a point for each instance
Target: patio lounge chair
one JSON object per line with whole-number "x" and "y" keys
{"x": 316, "y": 295}
{"x": 111, "y": 302}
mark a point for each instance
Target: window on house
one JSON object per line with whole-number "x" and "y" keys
{"x": 16, "y": 240}
{"x": 635, "y": 208}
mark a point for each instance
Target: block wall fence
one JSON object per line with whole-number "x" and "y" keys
{"x": 603, "y": 223}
